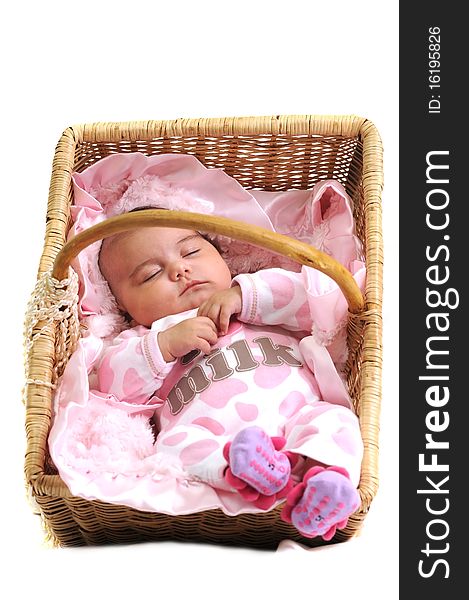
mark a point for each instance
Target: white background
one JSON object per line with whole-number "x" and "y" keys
{"x": 65, "y": 63}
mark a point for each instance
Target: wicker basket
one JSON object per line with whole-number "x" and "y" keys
{"x": 269, "y": 153}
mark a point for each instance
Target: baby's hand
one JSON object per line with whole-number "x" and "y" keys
{"x": 221, "y": 306}
{"x": 198, "y": 333}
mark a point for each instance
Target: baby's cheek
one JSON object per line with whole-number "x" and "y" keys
{"x": 152, "y": 307}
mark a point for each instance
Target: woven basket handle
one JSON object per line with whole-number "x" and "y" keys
{"x": 280, "y": 244}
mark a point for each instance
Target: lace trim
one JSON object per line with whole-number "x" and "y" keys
{"x": 326, "y": 337}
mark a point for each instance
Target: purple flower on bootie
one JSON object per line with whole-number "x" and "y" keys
{"x": 322, "y": 502}
{"x": 257, "y": 468}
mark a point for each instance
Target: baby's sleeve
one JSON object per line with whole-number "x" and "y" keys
{"x": 132, "y": 367}
{"x": 275, "y": 297}
{"x": 308, "y": 301}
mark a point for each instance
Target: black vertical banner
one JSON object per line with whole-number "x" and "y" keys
{"x": 434, "y": 330}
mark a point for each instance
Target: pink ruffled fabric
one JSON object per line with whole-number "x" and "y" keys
{"x": 103, "y": 449}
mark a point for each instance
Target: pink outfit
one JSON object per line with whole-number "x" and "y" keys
{"x": 257, "y": 374}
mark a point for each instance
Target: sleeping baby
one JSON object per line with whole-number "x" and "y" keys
{"x": 226, "y": 364}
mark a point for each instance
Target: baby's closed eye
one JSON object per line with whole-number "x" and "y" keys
{"x": 186, "y": 254}
{"x": 150, "y": 275}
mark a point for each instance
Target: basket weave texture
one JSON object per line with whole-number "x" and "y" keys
{"x": 268, "y": 153}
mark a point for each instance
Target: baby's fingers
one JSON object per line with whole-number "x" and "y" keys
{"x": 224, "y": 319}
{"x": 203, "y": 310}
{"x": 210, "y": 334}
{"x": 207, "y": 323}
{"x": 210, "y": 310}
{"x": 202, "y": 345}
{"x": 206, "y": 338}
{"x": 220, "y": 315}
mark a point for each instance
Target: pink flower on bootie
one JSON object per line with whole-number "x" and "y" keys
{"x": 322, "y": 502}
{"x": 257, "y": 468}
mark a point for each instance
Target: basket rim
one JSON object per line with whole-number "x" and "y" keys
{"x": 322, "y": 125}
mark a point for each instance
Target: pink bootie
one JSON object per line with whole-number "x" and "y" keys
{"x": 257, "y": 468}
{"x": 322, "y": 502}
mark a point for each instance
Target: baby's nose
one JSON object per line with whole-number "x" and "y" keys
{"x": 179, "y": 269}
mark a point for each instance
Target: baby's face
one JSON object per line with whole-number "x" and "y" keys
{"x": 157, "y": 271}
